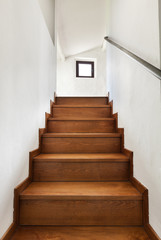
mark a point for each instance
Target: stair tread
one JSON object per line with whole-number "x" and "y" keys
{"x": 84, "y": 135}
{"x": 80, "y": 233}
{"x": 83, "y": 157}
{"x": 81, "y": 190}
{"x": 80, "y": 119}
{"x": 81, "y": 106}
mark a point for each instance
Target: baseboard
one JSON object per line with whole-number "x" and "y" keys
{"x": 144, "y": 191}
{"x": 150, "y": 231}
{"x": 55, "y": 95}
{"x": 20, "y": 188}
{"x": 9, "y": 232}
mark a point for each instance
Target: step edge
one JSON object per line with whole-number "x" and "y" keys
{"x": 82, "y": 160}
{"x": 80, "y": 197}
{"x": 82, "y": 135}
{"x": 81, "y": 106}
{"x": 85, "y": 156}
{"x": 81, "y": 119}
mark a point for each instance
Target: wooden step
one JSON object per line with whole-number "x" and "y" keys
{"x": 81, "y": 143}
{"x": 80, "y": 233}
{"x": 80, "y": 167}
{"x": 95, "y": 125}
{"x": 83, "y": 111}
{"x": 81, "y": 203}
{"x": 81, "y": 100}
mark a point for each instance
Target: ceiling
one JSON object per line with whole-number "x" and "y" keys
{"x": 81, "y": 25}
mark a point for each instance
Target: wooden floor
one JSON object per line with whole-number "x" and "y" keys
{"x": 80, "y": 233}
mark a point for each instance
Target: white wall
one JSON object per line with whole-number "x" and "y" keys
{"x": 134, "y": 25}
{"x": 136, "y": 93}
{"x": 159, "y": 1}
{"x": 69, "y": 85}
{"x": 27, "y": 83}
{"x": 48, "y": 10}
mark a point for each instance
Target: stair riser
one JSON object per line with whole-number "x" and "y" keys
{"x": 82, "y": 112}
{"x": 102, "y": 171}
{"x": 107, "y": 126}
{"x": 49, "y": 212}
{"x": 80, "y": 233}
{"x": 81, "y": 100}
{"x": 81, "y": 145}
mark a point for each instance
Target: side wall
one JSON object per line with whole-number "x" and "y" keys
{"x": 159, "y": 1}
{"x": 136, "y": 93}
{"x": 27, "y": 83}
{"x": 69, "y": 85}
{"x": 48, "y": 10}
{"x": 134, "y": 25}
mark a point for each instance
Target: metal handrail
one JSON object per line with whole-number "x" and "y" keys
{"x": 152, "y": 69}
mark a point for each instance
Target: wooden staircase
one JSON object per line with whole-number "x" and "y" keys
{"x": 81, "y": 184}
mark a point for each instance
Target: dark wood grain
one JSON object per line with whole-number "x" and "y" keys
{"x": 72, "y": 112}
{"x": 80, "y": 233}
{"x": 80, "y": 126}
{"x": 81, "y": 100}
{"x": 81, "y": 203}
{"x": 81, "y": 144}
{"x": 81, "y": 191}
{"x": 84, "y": 212}
{"x": 81, "y": 167}
{"x": 80, "y": 171}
